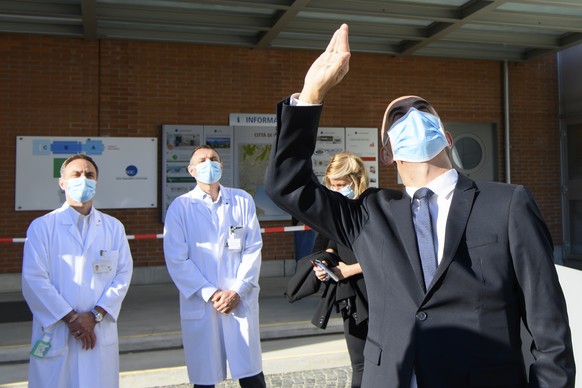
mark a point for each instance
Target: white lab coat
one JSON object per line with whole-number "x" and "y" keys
{"x": 59, "y": 274}
{"x": 200, "y": 262}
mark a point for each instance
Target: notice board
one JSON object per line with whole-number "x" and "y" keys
{"x": 128, "y": 168}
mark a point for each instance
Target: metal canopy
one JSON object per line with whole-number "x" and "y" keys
{"x": 513, "y": 30}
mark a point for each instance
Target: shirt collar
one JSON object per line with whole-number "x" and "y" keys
{"x": 73, "y": 214}
{"x": 442, "y": 186}
{"x": 198, "y": 193}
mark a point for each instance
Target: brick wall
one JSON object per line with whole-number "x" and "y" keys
{"x": 70, "y": 87}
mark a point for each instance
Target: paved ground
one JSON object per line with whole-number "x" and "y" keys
{"x": 295, "y": 353}
{"x": 320, "y": 378}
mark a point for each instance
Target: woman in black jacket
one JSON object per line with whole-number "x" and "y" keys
{"x": 347, "y": 175}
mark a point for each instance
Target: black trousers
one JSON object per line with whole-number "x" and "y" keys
{"x": 355, "y": 341}
{"x": 256, "y": 381}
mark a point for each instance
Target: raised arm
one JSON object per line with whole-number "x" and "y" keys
{"x": 289, "y": 179}
{"x": 329, "y": 69}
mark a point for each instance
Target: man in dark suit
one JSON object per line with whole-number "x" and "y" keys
{"x": 456, "y": 325}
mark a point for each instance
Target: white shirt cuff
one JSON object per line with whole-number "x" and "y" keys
{"x": 295, "y": 101}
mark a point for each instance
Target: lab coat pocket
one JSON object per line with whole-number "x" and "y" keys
{"x": 59, "y": 339}
{"x": 192, "y": 308}
{"x": 105, "y": 263}
{"x": 236, "y": 238}
{"x": 104, "y": 268}
{"x": 243, "y": 309}
{"x": 106, "y": 332}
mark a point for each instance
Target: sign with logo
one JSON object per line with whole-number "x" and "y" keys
{"x": 128, "y": 168}
{"x": 252, "y": 120}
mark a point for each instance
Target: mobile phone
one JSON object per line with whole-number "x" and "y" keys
{"x": 326, "y": 269}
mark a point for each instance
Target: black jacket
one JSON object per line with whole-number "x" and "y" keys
{"x": 349, "y": 291}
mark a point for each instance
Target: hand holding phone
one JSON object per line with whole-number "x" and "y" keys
{"x": 324, "y": 267}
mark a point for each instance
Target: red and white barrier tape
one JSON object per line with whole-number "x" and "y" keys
{"x": 272, "y": 229}
{"x": 12, "y": 240}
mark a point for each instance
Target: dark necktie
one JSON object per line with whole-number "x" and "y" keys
{"x": 424, "y": 235}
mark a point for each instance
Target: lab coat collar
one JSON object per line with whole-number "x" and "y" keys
{"x": 223, "y": 193}
{"x": 74, "y": 215}
{"x": 71, "y": 218}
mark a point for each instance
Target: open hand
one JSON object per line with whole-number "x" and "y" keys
{"x": 329, "y": 69}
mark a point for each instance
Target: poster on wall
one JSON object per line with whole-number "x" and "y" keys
{"x": 364, "y": 142}
{"x": 128, "y": 175}
{"x": 245, "y": 149}
{"x": 252, "y": 150}
{"x": 329, "y": 142}
{"x": 180, "y": 141}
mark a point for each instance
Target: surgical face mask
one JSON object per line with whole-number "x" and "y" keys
{"x": 417, "y": 137}
{"x": 208, "y": 171}
{"x": 81, "y": 189}
{"x": 347, "y": 192}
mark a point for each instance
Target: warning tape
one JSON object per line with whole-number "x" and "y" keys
{"x": 12, "y": 240}
{"x": 272, "y": 229}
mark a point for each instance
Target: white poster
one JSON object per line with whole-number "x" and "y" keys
{"x": 128, "y": 175}
{"x": 180, "y": 141}
{"x": 329, "y": 142}
{"x": 364, "y": 142}
{"x": 252, "y": 150}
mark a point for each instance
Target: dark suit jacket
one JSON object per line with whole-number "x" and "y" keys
{"x": 497, "y": 269}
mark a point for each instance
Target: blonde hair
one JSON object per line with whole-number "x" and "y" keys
{"x": 348, "y": 166}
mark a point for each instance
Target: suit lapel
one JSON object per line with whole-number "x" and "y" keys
{"x": 461, "y": 205}
{"x": 405, "y": 227}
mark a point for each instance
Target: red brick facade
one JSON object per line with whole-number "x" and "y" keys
{"x": 70, "y": 87}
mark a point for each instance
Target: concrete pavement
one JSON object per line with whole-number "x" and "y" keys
{"x": 150, "y": 339}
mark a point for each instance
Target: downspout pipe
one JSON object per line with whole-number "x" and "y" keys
{"x": 506, "y": 122}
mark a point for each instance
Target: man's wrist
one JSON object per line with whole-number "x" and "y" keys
{"x": 67, "y": 318}
{"x": 309, "y": 97}
{"x": 98, "y": 314}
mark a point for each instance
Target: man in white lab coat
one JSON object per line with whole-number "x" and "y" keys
{"x": 212, "y": 245}
{"x": 76, "y": 269}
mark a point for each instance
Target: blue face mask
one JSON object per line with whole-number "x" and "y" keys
{"x": 208, "y": 172}
{"x": 347, "y": 192}
{"x": 81, "y": 189}
{"x": 417, "y": 137}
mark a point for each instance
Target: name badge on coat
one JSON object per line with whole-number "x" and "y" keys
{"x": 104, "y": 265}
{"x": 235, "y": 237}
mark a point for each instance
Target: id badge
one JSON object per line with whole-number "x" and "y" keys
{"x": 102, "y": 266}
{"x": 235, "y": 236}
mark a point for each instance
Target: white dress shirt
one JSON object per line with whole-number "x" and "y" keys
{"x": 439, "y": 205}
